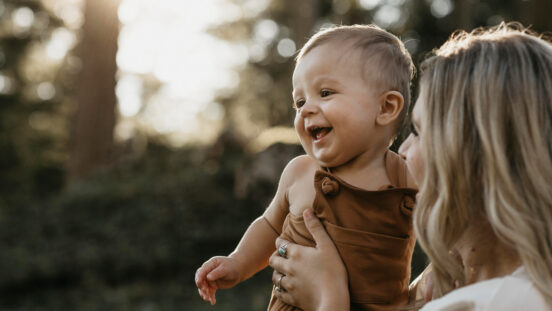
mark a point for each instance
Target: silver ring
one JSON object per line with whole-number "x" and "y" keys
{"x": 282, "y": 250}
{"x": 279, "y": 284}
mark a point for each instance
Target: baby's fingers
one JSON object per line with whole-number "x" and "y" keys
{"x": 212, "y": 289}
{"x": 202, "y": 294}
{"x": 200, "y": 276}
{"x": 204, "y": 270}
{"x": 207, "y": 292}
{"x": 218, "y": 273}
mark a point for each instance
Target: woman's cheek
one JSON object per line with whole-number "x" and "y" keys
{"x": 410, "y": 151}
{"x": 415, "y": 165}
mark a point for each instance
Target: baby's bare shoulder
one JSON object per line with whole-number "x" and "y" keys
{"x": 300, "y": 166}
{"x": 300, "y": 170}
{"x": 300, "y": 188}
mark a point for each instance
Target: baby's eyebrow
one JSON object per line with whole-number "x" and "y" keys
{"x": 295, "y": 92}
{"x": 325, "y": 78}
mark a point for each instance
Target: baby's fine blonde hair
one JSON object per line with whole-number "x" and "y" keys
{"x": 487, "y": 144}
{"x": 381, "y": 50}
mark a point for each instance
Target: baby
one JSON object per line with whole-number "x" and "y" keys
{"x": 351, "y": 89}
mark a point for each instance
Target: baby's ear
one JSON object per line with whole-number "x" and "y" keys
{"x": 391, "y": 105}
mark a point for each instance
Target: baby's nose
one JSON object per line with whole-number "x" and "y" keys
{"x": 309, "y": 108}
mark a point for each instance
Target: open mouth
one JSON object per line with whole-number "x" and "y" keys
{"x": 319, "y": 132}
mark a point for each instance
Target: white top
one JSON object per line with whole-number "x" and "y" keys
{"x": 511, "y": 292}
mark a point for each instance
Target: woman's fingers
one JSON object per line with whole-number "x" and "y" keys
{"x": 286, "y": 245}
{"x": 310, "y": 273}
{"x": 285, "y": 283}
{"x": 316, "y": 229}
{"x": 275, "y": 276}
{"x": 286, "y": 297}
{"x": 277, "y": 279}
{"x": 279, "y": 263}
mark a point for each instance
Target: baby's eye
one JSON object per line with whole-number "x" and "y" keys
{"x": 325, "y": 93}
{"x": 298, "y": 103}
{"x": 413, "y": 130}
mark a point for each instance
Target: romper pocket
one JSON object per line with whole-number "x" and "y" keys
{"x": 377, "y": 264}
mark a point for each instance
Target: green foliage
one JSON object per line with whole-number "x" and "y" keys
{"x": 129, "y": 236}
{"x": 32, "y": 130}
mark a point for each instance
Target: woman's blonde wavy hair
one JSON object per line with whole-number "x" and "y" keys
{"x": 487, "y": 140}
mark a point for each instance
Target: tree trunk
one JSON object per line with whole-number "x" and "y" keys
{"x": 94, "y": 120}
{"x": 463, "y": 12}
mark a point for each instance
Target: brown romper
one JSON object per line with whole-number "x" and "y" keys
{"x": 372, "y": 231}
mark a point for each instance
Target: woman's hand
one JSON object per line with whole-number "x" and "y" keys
{"x": 314, "y": 278}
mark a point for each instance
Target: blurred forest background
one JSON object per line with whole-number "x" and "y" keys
{"x": 123, "y": 169}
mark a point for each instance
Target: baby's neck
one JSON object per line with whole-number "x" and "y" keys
{"x": 366, "y": 171}
{"x": 484, "y": 256}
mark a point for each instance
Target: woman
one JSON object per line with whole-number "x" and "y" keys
{"x": 481, "y": 152}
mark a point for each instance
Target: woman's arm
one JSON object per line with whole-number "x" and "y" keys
{"x": 314, "y": 277}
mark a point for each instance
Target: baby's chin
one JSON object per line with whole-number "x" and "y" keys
{"x": 327, "y": 163}
{"x": 324, "y": 161}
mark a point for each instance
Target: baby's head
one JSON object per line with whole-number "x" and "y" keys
{"x": 351, "y": 89}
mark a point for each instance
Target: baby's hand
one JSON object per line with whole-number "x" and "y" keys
{"x": 217, "y": 272}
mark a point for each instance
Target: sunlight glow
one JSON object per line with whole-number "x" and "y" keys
{"x": 369, "y": 4}
{"x": 273, "y": 135}
{"x": 265, "y": 31}
{"x": 129, "y": 90}
{"x": 70, "y": 11}
{"x": 61, "y": 41}
{"x": 257, "y": 52}
{"x": 6, "y": 84}
{"x": 167, "y": 41}
{"x": 23, "y": 17}
{"x": 213, "y": 112}
{"x": 286, "y": 47}
{"x": 46, "y": 91}
{"x": 252, "y": 8}
{"x": 387, "y": 15}
{"x": 441, "y": 8}
{"x": 71, "y": 15}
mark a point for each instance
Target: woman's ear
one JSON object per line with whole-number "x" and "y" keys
{"x": 391, "y": 105}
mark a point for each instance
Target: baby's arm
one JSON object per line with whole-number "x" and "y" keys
{"x": 252, "y": 253}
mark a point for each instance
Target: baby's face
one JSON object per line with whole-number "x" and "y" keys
{"x": 336, "y": 106}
